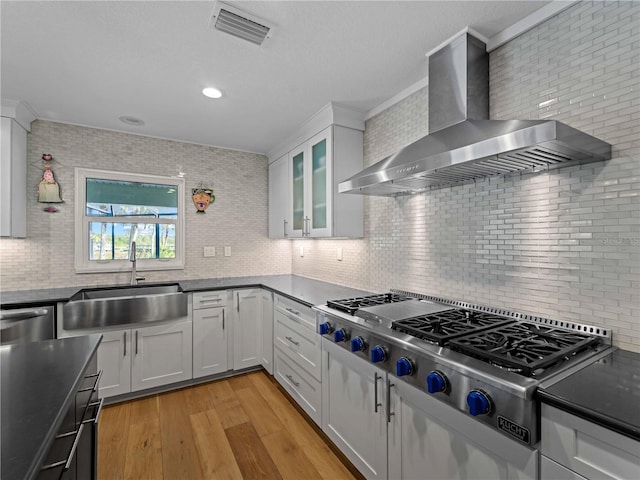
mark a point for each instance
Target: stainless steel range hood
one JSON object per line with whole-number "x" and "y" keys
{"x": 463, "y": 144}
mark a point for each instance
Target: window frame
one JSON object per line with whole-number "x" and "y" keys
{"x": 82, "y": 221}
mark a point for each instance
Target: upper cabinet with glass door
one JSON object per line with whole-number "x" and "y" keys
{"x": 303, "y": 179}
{"x": 311, "y": 195}
{"x": 315, "y": 208}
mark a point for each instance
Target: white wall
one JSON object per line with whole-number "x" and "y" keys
{"x": 237, "y": 218}
{"x": 563, "y": 244}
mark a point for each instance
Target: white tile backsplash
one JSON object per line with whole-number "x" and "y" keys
{"x": 238, "y": 217}
{"x": 564, "y": 243}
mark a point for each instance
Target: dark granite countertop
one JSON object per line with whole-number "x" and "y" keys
{"x": 39, "y": 382}
{"x": 302, "y": 289}
{"x": 606, "y": 392}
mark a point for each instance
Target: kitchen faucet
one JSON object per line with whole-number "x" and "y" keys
{"x": 132, "y": 258}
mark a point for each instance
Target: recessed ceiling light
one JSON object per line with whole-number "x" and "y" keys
{"x": 131, "y": 120}
{"x": 212, "y": 92}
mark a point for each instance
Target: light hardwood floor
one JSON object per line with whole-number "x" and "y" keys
{"x": 240, "y": 427}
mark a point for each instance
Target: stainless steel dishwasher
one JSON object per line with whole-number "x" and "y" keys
{"x": 24, "y": 325}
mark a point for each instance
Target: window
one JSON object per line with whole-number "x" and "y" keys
{"x": 113, "y": 209}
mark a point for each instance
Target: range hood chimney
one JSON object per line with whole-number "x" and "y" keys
{"x": 463, "y": 144}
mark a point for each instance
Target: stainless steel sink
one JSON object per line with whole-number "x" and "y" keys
{"x": 106, "y": 307}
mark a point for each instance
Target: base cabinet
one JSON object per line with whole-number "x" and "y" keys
{"x": 354, "y": 409}
{"x": 247, "y": 328}
{"x": 585, "y": 449}
{"x": 114, "y": 359}
{"x": 303, "y": 388}
{"x": 210, "y": 333}
{"x": 267, "y": 330}
{"x": 146, "y": 357}
{"x": 74, "y": 451}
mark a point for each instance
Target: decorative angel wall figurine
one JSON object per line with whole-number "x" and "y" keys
{"x": 48, "y": 188}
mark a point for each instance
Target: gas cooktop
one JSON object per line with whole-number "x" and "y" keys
{"x": 521, "y": 347}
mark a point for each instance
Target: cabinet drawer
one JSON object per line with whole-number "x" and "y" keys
{"x": 296, "y": 312}
{"x": 586, "y": 448}
{"x": 209, "y": 299}
{"x": 300, "y": 343}
{"x": 305, "y": 389}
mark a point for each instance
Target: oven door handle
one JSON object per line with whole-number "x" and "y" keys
{"x": 376, "y": 404}
{"x": 389, "y": 412}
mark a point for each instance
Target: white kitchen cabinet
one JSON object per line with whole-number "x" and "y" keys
{"x": 210, "y": 333}
{"x": 303, "y": 388}
{"x": 354, "y": 409}
{"x": 139, "y": 358}
{"x": 114, "y": 359}
{"x": 267, "y": 330}
{"x": 585, "y": 448}
{"x": 296, "y": 336}
{"x": 297, "y": 354}
{"x": 550, "y": 470}
{"x": 316, "y": 209}
{"x": 279, "y": 198}
{"x": 309, "y": 175}
{"x": 161, "y": 355}
{"x": 13, "y": 179}
{"x": 430, "y": 440}
{"x": 247, "y": 328}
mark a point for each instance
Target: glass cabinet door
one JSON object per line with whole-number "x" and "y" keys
{"x": 320, "y": 195}
{"x": 297, "y": 191}
{"x": 319, "y": 184}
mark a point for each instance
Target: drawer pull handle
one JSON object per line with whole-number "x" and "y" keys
{"x": 292, "y": 341}
{"x": 211, "y": 300}
{"x": 291, "y": 310}
{"x": 297, "y": 384}
{"x": 67, "y": 462}
{"x": 95, "y": 384}
{"x": 67, "y": 465}
{"x": 97, "y": 416}
{"x": 223, "y": 319}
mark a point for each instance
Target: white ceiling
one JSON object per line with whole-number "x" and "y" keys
{"x": 90, "y": 62}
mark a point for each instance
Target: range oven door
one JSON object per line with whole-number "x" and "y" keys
{"x": 431, "y": 440}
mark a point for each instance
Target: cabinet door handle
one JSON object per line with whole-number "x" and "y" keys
{"x": 292, "y": 341}
{"x": 285, "y": 227}
{"x": 238, "y": 301}
{"x": 124, "y": 341}
{"x": 136, "y": 342}
{"x": 389, "y": 412}
{"x": 376, "y": 377}
{"x": 223, "y": 319}
{"x": 74, "y": 447}
{"x": 297, "y": 384}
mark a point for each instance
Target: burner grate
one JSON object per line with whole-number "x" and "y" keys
{"x": 524, "y": 348}
{"x": 441, "y": 327}
{"x": 351, "y": 305}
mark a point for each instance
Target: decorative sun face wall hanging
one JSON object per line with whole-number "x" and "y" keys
{"x": 202, "y": 198}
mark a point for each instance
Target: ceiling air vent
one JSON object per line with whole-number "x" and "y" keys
{"x": 240, "y": 24}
